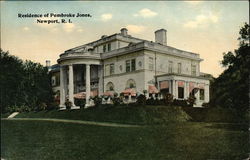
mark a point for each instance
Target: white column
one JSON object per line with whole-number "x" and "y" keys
{"x": 100, "y": 82}
{"x": 87, "y": 85}
{"x": 187, "y": 90}
{"x": 62, "y": 87}
{"x": 71, "y": 84}
{"x": 198, "y": 98}
{"x": 174, "y": 89}
{"x": 206, "y": 94}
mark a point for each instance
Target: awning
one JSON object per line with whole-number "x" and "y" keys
{"x": 82, "y": 95}
{"x": 152, "y": 89}
{"x": 108, "y": 93}
{"x": 164, "y": 84}
{"x": 180, "y": 83}
{"x": 129, "y": 91}
{"x": 191, "y": 86}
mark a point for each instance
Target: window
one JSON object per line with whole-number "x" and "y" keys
{"x": 133, "y": 65}
{"x": 150, "y": 63}
{"x": 109, "y": 46}
{"x": 180, "y": 92}
{"x": 107, "y": 70}
{"x": 170, "y": 67}
{"x": 53, "y": 81}
{"x": 128, "y": 66}
{"x": 112, "y": 68}
{"x": 202, "y": 94}
{"x": 193, "y": 70}
{"x": 179, "y": 68}
{"x": 131, "y": 84}
{"x": 104, "y": 48}
{"x": 110, "y": 86}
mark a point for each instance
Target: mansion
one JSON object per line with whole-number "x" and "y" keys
{"x": 120, "y": 63}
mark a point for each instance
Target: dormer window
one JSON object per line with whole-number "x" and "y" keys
{"x": 193, "y": 70}
{"x": 104, "y": 48}
{"x": 109, "y": 46}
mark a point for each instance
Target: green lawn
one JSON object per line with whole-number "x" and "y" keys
{"x": 40, "y": 140}
{"x": 120, "y": 114}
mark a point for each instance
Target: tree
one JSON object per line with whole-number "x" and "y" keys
{"x": 231, "y": 88}
{"x": 23, "y": 83}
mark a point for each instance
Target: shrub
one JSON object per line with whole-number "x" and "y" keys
{"x": 182, "y": 103}
{"x": 191, "y": 100}
{"x": 115, "y": 94}
{"x": 80, "y": 102}
{"x": 21, "y": 108}
{"x": 41, "y": 106}
{"x": 117, "y": 101}
{"x": 24, "y": 109}
{"x": 205, "y": 105}
{"x": 141, "y": 99}
{"x": 68, "y": 104}
{"x": 97, "y": 100}
{"x": 52, "y": 106}
{"x": 150, "y": 101}
{"x": 168, "y": 99}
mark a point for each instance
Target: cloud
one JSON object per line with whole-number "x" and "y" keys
{"x": 80, "y": 30}
{"x": 135, "y": 28}
{"x": 193, "y": 2}
{"x": 26, "y": 28}
{"x": 145, "y": 13}
{"x": 68, "y": 27}
{"x": 106, "y": 17}
{"x": 201, "y": 20}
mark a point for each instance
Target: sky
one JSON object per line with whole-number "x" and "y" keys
{"x": 208, "y": 28}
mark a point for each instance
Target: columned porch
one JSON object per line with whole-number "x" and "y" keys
{"x": 75, "y": 78}
{"x": 183, "y": 86}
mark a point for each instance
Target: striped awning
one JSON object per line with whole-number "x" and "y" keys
{"x": 108, "y": 93}
{"x": 129, "y": 91}
{"x": 180, "y": 83}
{"x": 152, "y": 89}
{"x": 164, "y": 84}
{"x": 82, "y": 95}
{"x": 191, "y": 86}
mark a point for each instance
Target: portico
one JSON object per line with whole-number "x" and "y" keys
{"x": 68, "y": 64}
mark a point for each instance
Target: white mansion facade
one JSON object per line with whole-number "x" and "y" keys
{"x": 117, "y": 62}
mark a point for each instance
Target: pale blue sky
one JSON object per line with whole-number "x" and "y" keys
{"x": 204, "y": 27}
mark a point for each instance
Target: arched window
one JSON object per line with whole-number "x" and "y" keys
{"x": 131, "y": 84}
{"x": 110, "y": 86}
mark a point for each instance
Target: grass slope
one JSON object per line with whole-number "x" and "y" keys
{"x": 39, "y": 140}
{"x": 120, "y": 114}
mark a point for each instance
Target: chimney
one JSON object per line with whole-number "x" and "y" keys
{"x": 47, "y": 63}
{"x": 124, "y": 31}
{"x": 161, "y": 36}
